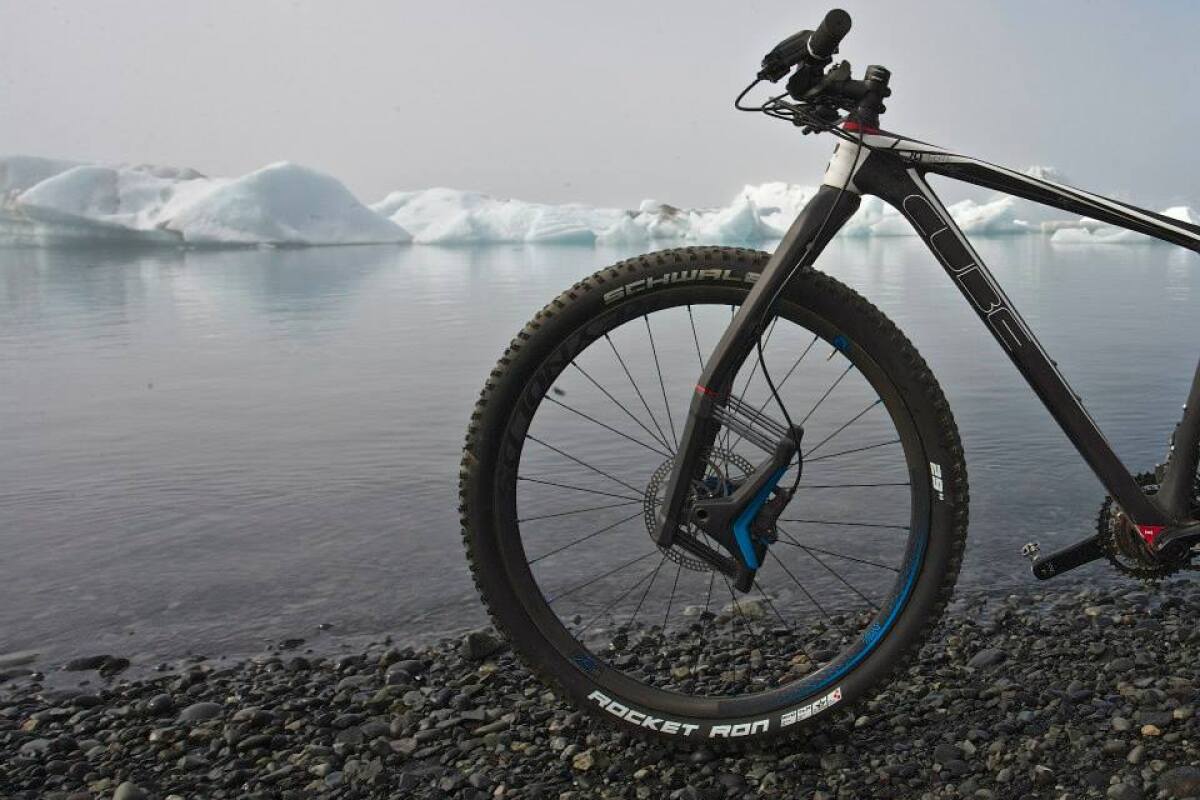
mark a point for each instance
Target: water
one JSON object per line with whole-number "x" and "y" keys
{"x": 203, "y": 451}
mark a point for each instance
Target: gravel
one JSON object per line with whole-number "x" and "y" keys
{"x": 1046, "y": 694}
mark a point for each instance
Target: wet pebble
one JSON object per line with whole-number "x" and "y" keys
{"x": 1014, "y": 697}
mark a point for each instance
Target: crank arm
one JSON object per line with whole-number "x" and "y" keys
{"x": 1068, "y": 558}
{"x": 1172, "y": 542}
{"x": 1176, "y": 541}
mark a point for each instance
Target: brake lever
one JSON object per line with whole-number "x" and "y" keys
{"x": 840, "y": 73}
{"x": 811, "y": 118}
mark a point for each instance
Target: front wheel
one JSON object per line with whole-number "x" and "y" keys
{"x": 566, "y": 458}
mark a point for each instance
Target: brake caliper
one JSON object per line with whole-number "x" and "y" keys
{"x": 743, "y": 522}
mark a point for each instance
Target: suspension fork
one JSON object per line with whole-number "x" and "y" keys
{"x": 818, "y": 222}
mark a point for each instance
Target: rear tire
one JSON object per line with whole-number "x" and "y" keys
{"x": 519, "y": 608}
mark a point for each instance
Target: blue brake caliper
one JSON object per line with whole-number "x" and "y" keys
{"x": 741, "y": 525}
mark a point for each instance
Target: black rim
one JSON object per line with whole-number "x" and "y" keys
{"x": 575, "y": 519}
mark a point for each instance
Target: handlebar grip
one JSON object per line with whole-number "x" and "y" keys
{"x": 812, "y": 48}
{"x": 824, "y": 40}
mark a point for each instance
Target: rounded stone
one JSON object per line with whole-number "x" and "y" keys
{"x": 200, "y": 712}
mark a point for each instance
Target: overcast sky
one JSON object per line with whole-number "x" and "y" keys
{"x": 602, "y": 102}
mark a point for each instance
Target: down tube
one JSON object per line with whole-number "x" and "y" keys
{"x": 908, "y": 192}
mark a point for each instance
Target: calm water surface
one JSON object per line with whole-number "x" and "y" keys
{"x": 205, "y": 451}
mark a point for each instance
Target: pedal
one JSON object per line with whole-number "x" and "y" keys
{"x": 1068, "y": 558}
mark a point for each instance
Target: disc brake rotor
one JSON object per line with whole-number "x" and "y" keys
{"x": 723, "y": 472}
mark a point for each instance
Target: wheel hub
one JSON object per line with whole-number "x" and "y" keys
{"x": 724, "y": 472}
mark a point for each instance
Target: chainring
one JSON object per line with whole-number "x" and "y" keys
{"x": 1123, "y": 545}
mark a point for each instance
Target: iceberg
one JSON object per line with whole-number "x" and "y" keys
{"x": 45, "y": 201}
{"x": 281, "y": 204}
{"x": 49, "y": 202}
{"x": 1090, "y": 231}
{"x": 992, "y": 217}
{"x": 451, "y": 216}
{"x": 18, "y": 173}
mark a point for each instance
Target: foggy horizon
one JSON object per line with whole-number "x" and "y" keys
{"x": 553, "y": 103}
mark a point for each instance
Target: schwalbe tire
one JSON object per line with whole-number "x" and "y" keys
{"x": 869, "y": 329}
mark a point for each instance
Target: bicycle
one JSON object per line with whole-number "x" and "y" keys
{"x": 723, "y": 482}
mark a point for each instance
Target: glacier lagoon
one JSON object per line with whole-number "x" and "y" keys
{"x": 207, "y": 450}
{"x": 46, "y": 201}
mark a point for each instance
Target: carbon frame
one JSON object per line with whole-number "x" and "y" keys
{"x": 893, "y": 168}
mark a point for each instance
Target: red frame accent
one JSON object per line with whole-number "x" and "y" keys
{"x": 855, "y": 127}
{"x": 1150, "y": 532}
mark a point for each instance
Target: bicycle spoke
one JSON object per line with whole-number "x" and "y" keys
{"x": 762, "y": 593}
{"x": 582, "y": 463}
{"x": 828, "y": 392}
{"x": 620, "y": 405}
{"x": 602, "y": 576}
{"x": 796, "y": 364}
{"x": 847, "y": 524}
{"x": 649, "y": 586}
{"x": 579, "y": 511}
{"x": 796, "y": 581}
{"x": 851, "y": 485}
{"x": 610, "y": 428}
{"x": 582, "y": 539}
{"x": 661, "y": 384}
{"x": 791, "y": 630}
{"x": 737, "y": 607}
{"x": 746, "y": 386}
{"x": 724, "y": 434}
{"x": 833, "y": 572}
{"x": 638, "y": 391}
{"x": 612, "y": 604}
{"x": 695, "y": 338}
{"x": 779, "y": 386}
{"x": 786, "y": 624}
{"x": 671, "y": 599}
{"x": 583, "y": 558}
{"x": 757, "y": 363}
{"x": 838, "y": 555}
{"x": 848, "y": 452}
{"x": 844, "y": 426}
{"x": 580, "y": 488}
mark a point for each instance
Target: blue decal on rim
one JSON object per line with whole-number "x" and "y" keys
{"x": 870, "y": 640}
{"x": 586, "y": 663}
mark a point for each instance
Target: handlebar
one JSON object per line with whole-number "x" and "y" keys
{"x": 815, "y": 48}
{"x": 825, "y": 39}
{"x": 810, "y": 52}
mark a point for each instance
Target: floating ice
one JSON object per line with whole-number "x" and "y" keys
{"x": 49, "y": 201}
{"x": 450, "y": 216}
{"x": 282, "y": 204}
{"x": 18, "y": 173}
{"x": 1090, "y": 231}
